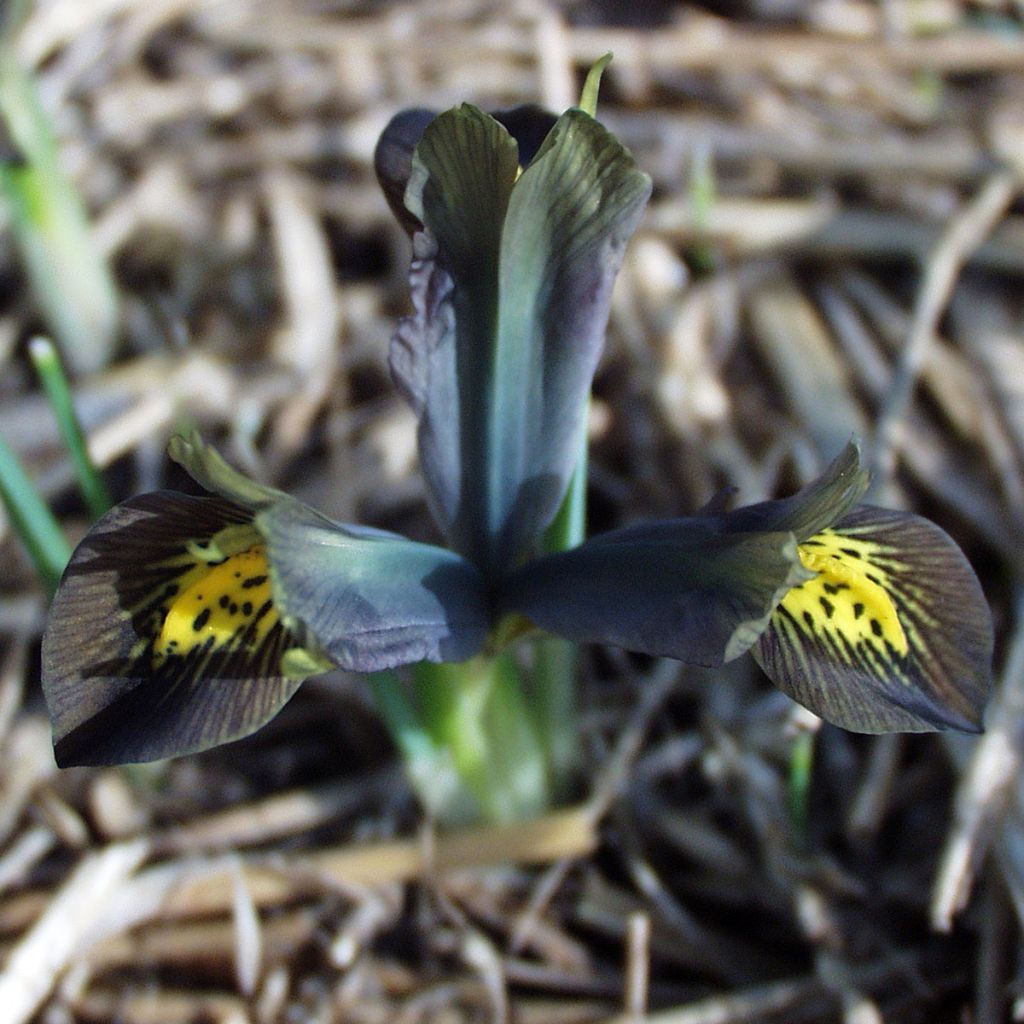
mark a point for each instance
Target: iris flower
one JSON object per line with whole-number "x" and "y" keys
{"x": 186, "y": 621}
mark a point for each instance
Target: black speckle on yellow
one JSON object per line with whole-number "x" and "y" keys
{"x": 858, "y": 609}
{"x": 826, "y": 606}
{"x": 876, "y": 627}
{"x": 210, "y": 614}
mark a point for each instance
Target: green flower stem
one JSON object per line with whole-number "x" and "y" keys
{"x": 32, "y": 519}
{"x": 476, "y": 711}
{"x": 55, "y": 384}
{"x": 552, "y": 683}
{"x": 71, "y": 280}
{"x": 428, "y": 765}
{"x": 466, "y": 740}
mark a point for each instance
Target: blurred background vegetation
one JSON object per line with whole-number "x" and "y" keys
{"x": 835, "y": 246}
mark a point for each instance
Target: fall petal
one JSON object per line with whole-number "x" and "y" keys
{"x": 163, "y": 637}
{"x": 891, "y": 634}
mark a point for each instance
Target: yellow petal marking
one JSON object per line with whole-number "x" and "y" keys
{"x": 847, "y": 597}
{"x": 228, "y": 602}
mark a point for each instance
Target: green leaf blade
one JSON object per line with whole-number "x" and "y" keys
{"x": 32, "y": 519}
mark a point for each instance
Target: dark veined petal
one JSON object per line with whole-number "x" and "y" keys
{"x": 163, "y": 637}
{"x": 373, "y": 600}
{"x": 891, "y": 634}
{"x": 511, "y": 290}
{"x": 681, "y": 588}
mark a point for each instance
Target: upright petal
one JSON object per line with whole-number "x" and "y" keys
{"x": 511, "y": 290}
{"x": 392, "y": 160}
{"x": 892, "y": 633}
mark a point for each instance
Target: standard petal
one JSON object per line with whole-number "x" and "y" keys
{"x": 392, "y": 160}
{"x": 569, "y": 218}
{"x": 682, "y": 588}
{"x": 511, "y": 289}
{"x": 373, "y": 600}
{"x": 891, "y": 634}
{"x": 442, "y": 356}
{"x": 163, "y": 638}
{"x": 529, "y": 125}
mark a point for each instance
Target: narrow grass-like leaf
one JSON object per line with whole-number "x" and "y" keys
{"x": 55, "y": 384}
{"x": 32, "y": 519}
{"x": 592, "y": 86}
{"x": 801, "y": 771}
{"x": 892, "y": 632}
{"x": 68, "y": 275}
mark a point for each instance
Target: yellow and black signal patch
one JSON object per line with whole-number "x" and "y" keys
{"x": 891, "y": 633}
{"x": 847, "y": 604}
{"x": 227, "y": 607}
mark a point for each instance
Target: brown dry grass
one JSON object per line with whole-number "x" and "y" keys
{"x": 859, "y": 271}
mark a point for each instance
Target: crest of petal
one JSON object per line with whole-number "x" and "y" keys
{"x": 140, "y": 659}
{"x": 892, "y": 633}
{"x": 822, "y": 502}
{"x": 683, "y": 588}
{"x": 511, "y": 289}
{"x": 209, "y": 469}
{"x": 373, "y": 600}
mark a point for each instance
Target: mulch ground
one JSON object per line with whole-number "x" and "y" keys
{"x": 835, "y": 246}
